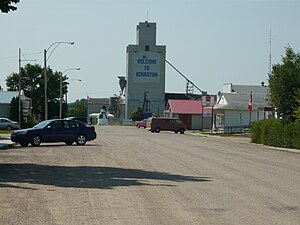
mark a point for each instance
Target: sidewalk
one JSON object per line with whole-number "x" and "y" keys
{"x": 5, "y": 140}
{"x": 245, "y": 139}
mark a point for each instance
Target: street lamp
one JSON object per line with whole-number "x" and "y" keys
{"x": 45, "y": 69}
{"x": 73, "y": 79}
{"x": 60, "y": 90}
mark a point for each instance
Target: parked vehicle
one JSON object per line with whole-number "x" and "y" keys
{"x": 141, "y": 123}
{"x": 58, "y": 130}
{"x": 156, "y": 124}
{"x": 7, "y": 124}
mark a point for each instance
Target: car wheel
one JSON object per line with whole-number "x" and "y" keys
{"x": 80, "y": 140}
{"x": 35, "y": 140}
{"x": 181, "y": 131}
{"x": 138, "y": 126}
{"x": 157, "y": 129}
{"x": 23, "y": 144}
{"x": 9, "y": 128}
{"x": 69, "y": 142}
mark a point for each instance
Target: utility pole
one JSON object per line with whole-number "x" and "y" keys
{"x": 60, "y": 90}
{"x": 45, "y": 84}
{"x": 145, "y": 102}
{"x": 56, "y": 44}
{"x": 20, "y": 86}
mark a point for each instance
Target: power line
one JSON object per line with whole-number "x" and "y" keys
{"x": 9, "y": 57}
{"x": 13, "y": 57}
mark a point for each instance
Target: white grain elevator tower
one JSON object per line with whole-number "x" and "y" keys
{"x": 145, "y": 72}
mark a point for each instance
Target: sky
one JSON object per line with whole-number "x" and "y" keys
{"x": 212, "y": 42}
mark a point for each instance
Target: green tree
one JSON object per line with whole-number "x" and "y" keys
{"x": 297, "y": 108}
{"x": 137, "y": 114}
{"x": 78, "y": 108}
{"x": 14, "y": 109}
{"x": 284, "y": 83}
{"x": 33, "y": 86}
{"x": 6, "y": 5}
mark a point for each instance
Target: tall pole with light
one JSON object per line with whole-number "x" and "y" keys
{"x": 60, "y": 90}
{"x": 73, "y": 79}
{"x": 20, "y": 86}
{"x": 56, "y": 44}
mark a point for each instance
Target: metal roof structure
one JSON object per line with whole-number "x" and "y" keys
{"x": 240, "y": 101}
{"x": 185, "y": 106}
{"x": 245, "y": 89}
{"x": 236, "y": 97}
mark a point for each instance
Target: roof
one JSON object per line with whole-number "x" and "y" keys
{"x": 185, "y": 106}
{"x": 7, "y": 96}
{"x": 102, "y": 101}
{"x": 237, "y": 101}
{"x": 245, "y": 89}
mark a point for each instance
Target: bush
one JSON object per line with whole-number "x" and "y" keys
{"x": 296, "y": 134}
{"x": 256, "y": 131}
{"x": 30, "y": 122}
{"x": 137, "y": 114}
{"x": 276, "y": 133}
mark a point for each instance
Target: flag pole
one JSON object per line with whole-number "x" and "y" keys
{"x": 250, "y": 106}
{"x": 250, "y": 117}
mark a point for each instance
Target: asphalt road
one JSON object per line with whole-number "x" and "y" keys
{"x": 133, "y": 177}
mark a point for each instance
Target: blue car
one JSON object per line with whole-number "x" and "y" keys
{"x": 58, "y": 130}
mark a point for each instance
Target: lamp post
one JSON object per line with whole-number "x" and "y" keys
{"x": 73, "y": 79}
{"x": 45, "y": 70}
{"x": 60, "y": 90}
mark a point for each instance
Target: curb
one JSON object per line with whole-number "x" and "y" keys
{"x": 291, "y": 150}
{"x": 5, "y": 146}
{"x": 5, "y": 142}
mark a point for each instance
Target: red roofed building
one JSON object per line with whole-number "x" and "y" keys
{"x": 190, "y": 112}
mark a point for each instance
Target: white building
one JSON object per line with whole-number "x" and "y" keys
{"x": 145, "y": 72}
{"x": 5, "y": 100}
{"x": 231, "y": 113}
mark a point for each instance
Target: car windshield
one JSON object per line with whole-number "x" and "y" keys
{"x": 42, "y": 124}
